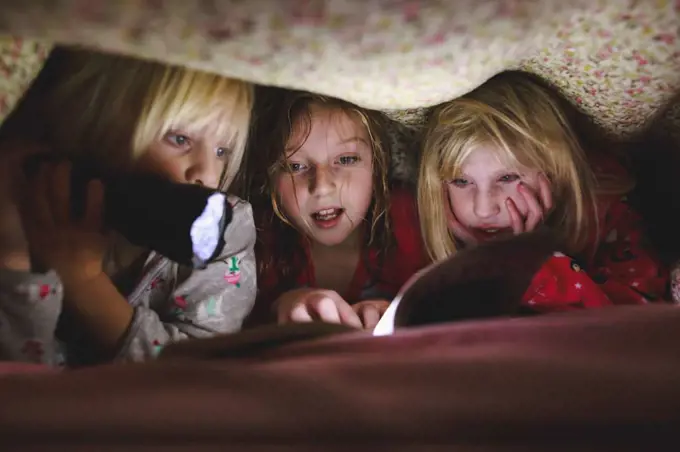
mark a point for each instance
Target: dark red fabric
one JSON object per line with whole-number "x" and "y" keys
{"x": 374, "y": 277}
{"x": 12, "y": 368}
{"x": 605, "y": 379}
{"x": 619, "y": 267}
{"x": 627, "y": 268}
{"x": 562, "y": 285}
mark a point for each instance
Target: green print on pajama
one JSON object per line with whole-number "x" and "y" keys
{"x": 233, "y": 274}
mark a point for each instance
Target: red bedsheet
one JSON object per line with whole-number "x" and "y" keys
{"x": 606, "y": 379}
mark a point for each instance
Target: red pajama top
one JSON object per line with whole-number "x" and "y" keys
{"x": 623, "y": 268}
{"x": 374, "y": 277}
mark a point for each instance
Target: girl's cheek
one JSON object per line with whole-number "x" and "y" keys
{"x": 285, "y": 183}
{"x": 286, "y": 192}
{"x": 461, "y": 202}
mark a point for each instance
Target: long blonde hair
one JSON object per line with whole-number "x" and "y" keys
{"x": 530, "y": 127}
{"x": 110, "y": 108}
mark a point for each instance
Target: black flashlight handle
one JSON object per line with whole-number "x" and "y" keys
{"x": 146, "y": 209}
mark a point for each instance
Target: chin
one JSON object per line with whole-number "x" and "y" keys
{"x": 330, "y": 241}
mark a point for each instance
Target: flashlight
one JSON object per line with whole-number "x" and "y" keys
{"x": 186, "y": 223}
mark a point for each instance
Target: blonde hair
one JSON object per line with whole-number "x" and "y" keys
{"x": 528, "y": 125}
{"x": 111, "y": 108}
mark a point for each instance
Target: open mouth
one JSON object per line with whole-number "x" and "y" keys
{"x": 327, "y": 218}
{"x": 491, "y": 233}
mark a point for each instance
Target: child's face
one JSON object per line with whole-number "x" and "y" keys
{"x": 187, "y": 156}
{"x": 329, "y": 186}
{"x": 478, "y": 196}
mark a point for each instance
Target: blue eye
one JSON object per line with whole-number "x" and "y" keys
{"x": 294, "y": 167}
{"x": 509, "y": 178}
{"x": 460, "y": 182}
{"x": 349, "y": 159}
{"x": 177, "y": 139}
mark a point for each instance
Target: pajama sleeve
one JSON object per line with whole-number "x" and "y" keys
{"x": 626, "y": 266}
{"x": 30, "y": 304}
{"x": 562, "y": 284}
{"x": 624, "y": 269}
{"x": 205, "y": 302}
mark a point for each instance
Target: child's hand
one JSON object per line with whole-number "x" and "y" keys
{"x": 14, "y": 253}
{"x": 459, "y": 231}
{"x": 370, "y": 312}
{"x": 74, "y": 248}
{"x": 539, "y": 204}
{"x": 307, "y": 305}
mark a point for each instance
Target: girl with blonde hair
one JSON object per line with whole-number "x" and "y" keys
{"x": 336, "y": 240}
{"x": 115, "y": 300}
{"x": 503, "y": 160}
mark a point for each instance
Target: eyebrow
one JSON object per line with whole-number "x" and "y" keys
{"x": 292, "y": 151}
{"x": 228, "y": 143}
{"x": 495, "y": 174}
{"x": 353, "y": 140}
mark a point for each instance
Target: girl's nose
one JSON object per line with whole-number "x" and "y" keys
{"x": 323, "y": 181}
{"x": 204, "y": 169}
{"x": 486, "y": 205}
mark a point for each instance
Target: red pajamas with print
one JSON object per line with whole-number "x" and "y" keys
{"x": 622, "y": 270}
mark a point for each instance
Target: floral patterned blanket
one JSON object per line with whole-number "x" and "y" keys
{"x": 617, "y": 60}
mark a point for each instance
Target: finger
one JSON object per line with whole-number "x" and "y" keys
{"x": 94, "y": 206}
{"x": 299, "y": 314}
{"x": 18, "y": 184}
{"x": 326, "y": 309}
{"x": 35, "y": 215}
{"x": 545, "y": 192}
{"x": 283, "y": 315}
{"x": 516, "y": 221}
{"x": 370, "y": 315}
{"x": 36, "y": 205}
{"x": 60, "y": 193}
{"x": 348, "y": 316}
{"x": 534, "y": 209}
{"x": 458, "y": 230}
{"x": 14, "y": 163}
{"x": 380, "y": 305}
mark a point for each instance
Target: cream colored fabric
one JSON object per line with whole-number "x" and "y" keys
{"x": 618, "y": 60}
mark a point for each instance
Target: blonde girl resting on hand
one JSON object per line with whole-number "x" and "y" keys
{"x": 504, "y": 160}
{"x": 114, "y": 300}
